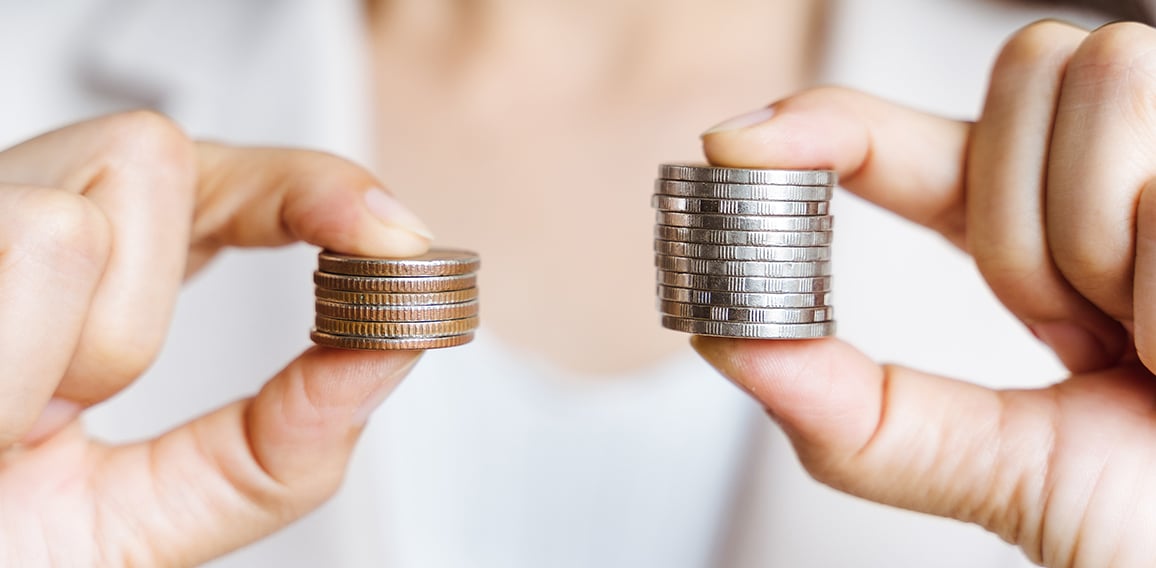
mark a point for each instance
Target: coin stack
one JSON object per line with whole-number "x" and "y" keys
{"x": 744, "y": 252}
{"x": 423, "y": 302}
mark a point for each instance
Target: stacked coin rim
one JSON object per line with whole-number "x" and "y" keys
{"x": 424, "y": 302}
{"x": 744, "y": 252}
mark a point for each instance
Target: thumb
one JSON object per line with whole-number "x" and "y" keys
{"x": 895, "y": 435}
{"x": 250, "y": 468}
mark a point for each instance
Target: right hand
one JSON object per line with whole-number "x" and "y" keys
{"x": 99, "y": 223}
{"x": 1053, "y": 192}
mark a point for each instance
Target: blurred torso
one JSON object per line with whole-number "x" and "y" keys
{"x": 530, "y": 131}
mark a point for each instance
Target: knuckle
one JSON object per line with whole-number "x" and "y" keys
{"x": 143, "y": 136}
{"x": 64, "y": 229}
{"x": 1037, "y": 42}
{"x": 1116, "y": 57}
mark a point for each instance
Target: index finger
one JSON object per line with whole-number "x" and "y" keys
{"x": 906, "y": 161}
{"x": 163, "y": 195}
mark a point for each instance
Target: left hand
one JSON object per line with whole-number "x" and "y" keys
{"x": 99, "y": 223}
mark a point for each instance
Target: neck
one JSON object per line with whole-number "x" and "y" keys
{"x": 587, "y": 38}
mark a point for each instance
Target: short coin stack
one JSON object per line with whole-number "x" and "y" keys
{"x": 744, "y": 252}
{"x": 423, "y": 302}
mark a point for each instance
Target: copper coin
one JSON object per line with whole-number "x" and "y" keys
{"x": 395, "y": 329}
{"x": 420, "y": 284}
{"x": 396, "y": 298}
{"x": 439, "y": 312}
{"x": 388, "y": 343}
{"x": 436, "y": 262}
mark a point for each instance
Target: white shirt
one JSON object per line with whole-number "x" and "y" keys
{"x": 490, "y": 457}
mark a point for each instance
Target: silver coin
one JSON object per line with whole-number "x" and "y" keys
{"x": 754, "y": 268}
{"x": 744, "y": 283}
{"x": 750, "y": 330}
{"x": 743, "y": 238}
{"x": 710, "y": 190}
{"x": 729, "y": 252}
{"x": 738, "y": 206}
{"x": 703, "y": 172}
{"x": 743, "y": 222}
{"x": 747, "y": 315}
{"x": 742, "y": 299}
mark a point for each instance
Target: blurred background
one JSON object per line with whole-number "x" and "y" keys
{"x": 578, "y": 436}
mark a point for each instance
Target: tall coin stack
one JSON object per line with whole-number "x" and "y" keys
{"x": 744, "y": 252}
{"x": 423, "y": 302}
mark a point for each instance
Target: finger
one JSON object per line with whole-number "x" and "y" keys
{"x": 895, "y": 435}
{"x": 1144, "y": 324}
{"x": 53, "y": 250}
{"x": 1102, "y": 154}
{"x": 249, "y": 469}
{"x": 1006, "y": 169}
{"x": 905, "y": 161}
{"x": 145, "y": 174}
{"x": 138, "y": 169}
{"x": 268, "y": 197}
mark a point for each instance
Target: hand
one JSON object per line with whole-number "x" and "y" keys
{"x": 99, "y": 223}
{"x": 1050, "y": 192}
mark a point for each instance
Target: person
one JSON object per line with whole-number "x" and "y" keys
{"x": 103, "y": 218}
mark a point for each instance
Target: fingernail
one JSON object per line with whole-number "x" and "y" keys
{"x": 56, "y": 415}
{"x": 381, "y": 392}
{"x": 387, "y": 208}
{"x": 742, "y": 121}
{"x": 1076, "y": 347}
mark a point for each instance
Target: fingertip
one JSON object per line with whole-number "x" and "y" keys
{"x": 386, "y": 242}
{"x": 356, "y": 221}
{"x": 787, "y": 135}
{"x": 822, "y": 392}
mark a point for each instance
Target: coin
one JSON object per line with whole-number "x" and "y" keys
{"x": 757, "y": 268}
{"x": 396, "y": 298}
{"x": 743, "y": 299}
{"x": 382, "y": 284}
{"x": 744, "y": 283}
{"x": 727, "y": 252}
{"x": 388, "y": 343}
{"x": 436, "y": 262}
{"x": 750, "y": 330}
{"x": 396, "y": 313}
{"x": 743, "y": 222}
{"x": 395, "y": 329}
{"x": 738, "y": 206}
{"x": 703, "y": 172}
{"x": 744, "y": 238}
{"x": 747, "y": 315}
{"x": 712, "y": 190}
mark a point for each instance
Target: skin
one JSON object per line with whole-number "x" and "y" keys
{"x": 1062, "y": 472}
{"x": 1064, "y": 141}
{"x": 85, "y": 213}
{"x": 507, "y": 102}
